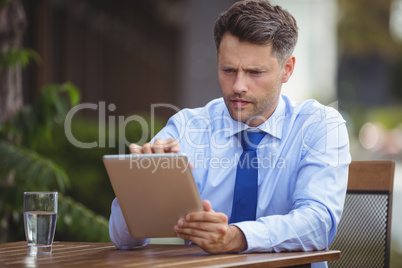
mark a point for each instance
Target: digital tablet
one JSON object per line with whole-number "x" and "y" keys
{"x": 154, "y": 191}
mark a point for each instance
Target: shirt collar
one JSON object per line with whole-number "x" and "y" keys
{"x": 273, "y": 125}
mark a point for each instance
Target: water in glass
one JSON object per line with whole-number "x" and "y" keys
{"x": 40, "y": 228}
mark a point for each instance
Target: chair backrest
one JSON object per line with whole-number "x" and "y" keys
{"x": 363, "y": 234}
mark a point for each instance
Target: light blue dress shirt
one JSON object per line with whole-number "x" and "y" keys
{"x": 303, "y": 171}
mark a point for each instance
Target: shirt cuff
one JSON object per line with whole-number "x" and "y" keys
{"x": 256, "y": 236}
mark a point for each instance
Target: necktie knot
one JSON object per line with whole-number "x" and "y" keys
{"x": 250, "y": 140}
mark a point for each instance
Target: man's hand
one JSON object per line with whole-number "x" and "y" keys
{"x": 159, "y": 146}
{"x": 210, "y": 230}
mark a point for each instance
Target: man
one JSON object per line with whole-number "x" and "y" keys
{"x": 302, "y": 155}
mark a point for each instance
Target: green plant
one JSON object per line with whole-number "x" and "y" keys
{"x": 89, "y": 181}
{"x": 14, "y": 57}
{"x": 24, "y": 169}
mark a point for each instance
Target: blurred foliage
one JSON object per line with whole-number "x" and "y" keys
{"x": 89, "y": 180}
{"x": 370, "y": 63}
{"x": 34, "y": 124}
{"x": 396, "y": 78}
{"x": 78, "y": 223}
{"x": 14, "y": 57}
{"x": 4, "y": 3}
{"x": 363, "y": 28}
{"x": 389, "y": 117}
{"x": 23, "y": 169}
{"x": 36, "y": 155}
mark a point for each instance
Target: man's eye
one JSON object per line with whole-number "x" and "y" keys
{"x": 229, "y": 70}
{"x": 255, "y": 72}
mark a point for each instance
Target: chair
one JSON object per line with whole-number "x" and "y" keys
{"x": 363, "y": 235}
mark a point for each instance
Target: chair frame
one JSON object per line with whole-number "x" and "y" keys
{"x": 374, "y": 177}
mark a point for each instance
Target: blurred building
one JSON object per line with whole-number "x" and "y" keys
{"x": 135, "y": 53}
{"x": 122, "y": 52}
{"x": 316, "y": 52}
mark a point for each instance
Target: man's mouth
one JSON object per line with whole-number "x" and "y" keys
{"x": 239, "y": 103}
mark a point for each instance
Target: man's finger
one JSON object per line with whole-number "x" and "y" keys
{"x": 172, "y": 146}
{"x": 135, "y": 149}
{"x": 201, "y": 226}
{"x": 159, "y": 146}
{"x": 207, "y": 205}
{"x": 192, "y": 232}
{"x": 212, "y": 217}
{"x": 191, "y": 165}
{"x": 146, "y": 148}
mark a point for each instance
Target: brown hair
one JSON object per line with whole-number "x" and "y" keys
{"x": 259, "y": 22}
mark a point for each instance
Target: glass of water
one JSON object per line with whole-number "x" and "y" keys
{"x": 40, "y": 215}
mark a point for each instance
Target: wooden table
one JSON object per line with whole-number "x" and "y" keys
{"x": 81, "y": 254}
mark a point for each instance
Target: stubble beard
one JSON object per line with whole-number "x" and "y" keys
{"x": 252, "y": 116}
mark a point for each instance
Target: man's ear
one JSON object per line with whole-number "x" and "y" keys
{"x": 288, "y": 67}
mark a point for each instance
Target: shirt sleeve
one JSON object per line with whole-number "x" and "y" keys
{"x": 175, "y": 128}
{"x": 118, "y": 230}
{"x": 318, "y": 198}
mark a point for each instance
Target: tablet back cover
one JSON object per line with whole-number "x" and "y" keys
{"x": 154, "y": 191}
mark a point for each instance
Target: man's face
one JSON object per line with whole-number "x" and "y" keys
{"x": 251, "y": 79}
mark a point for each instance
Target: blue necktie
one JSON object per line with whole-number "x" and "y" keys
{"x": 246, "y": 187}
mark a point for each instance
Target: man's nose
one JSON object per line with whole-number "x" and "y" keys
{"x": 240, "y": 84}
